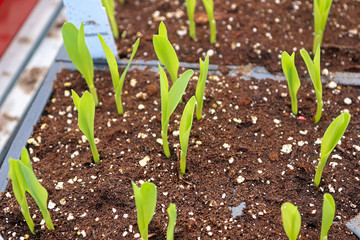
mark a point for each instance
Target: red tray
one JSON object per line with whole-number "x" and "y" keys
{"x": 12, "y": 15}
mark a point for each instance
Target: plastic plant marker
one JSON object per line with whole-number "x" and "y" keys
{"x": 209, "y": 7}
{"x": 292, "y": 77}
{"x": 170, "y": 100}
{"x": 190, "y": 8}
{"x": 313, "y": 68}
{"x": 145, "y": 200}
{"x": 184, "y": 133}
{"x": 117, "y": 80}
{"x": 172, "y": 221}
{"x": 291, "y": 220}
{"x": 74, "y": 41}
{"x": 86, "y": 111}
{"x": 24, "y": 180}
{"x": 200, "y": 86}
{"x": 330, "y": 139}
{"x": 110, "y": 11}
{"x": 166, "y": 53}
{"x": 328, "y": 215}
{"x": 321, "y": 13}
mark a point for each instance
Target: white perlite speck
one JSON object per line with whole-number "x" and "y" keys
{"x": 70, "y": 217}
{"x": 226, "y": 146}
{"x": 144, "y": 161}
{"x": 59, "y": 186}
{"x": 286, "y": 148}
{"x": 231, "y": 160}
{"x": 347, "y": 101}
{"x": 240, "y": 179}
{"x": 331, "y": 85}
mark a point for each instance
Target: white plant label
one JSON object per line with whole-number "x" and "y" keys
{"x": 93, "y": 14}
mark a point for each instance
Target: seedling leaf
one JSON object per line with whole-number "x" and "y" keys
{"x": 328, "y": 215}
{"x": 200, "y": 86}
{"x": 172, "y": 221}
{"x": 190, "y": 8}
{"x": 314, "y": 72}
{"x": 291, "y": 220}
{"x": 110, "y": 11}
{"x": 145, "y": 200}
{"x": 209, "y": 7}
{"x": 321, "y": 13}
{"x": 292, "y": 77}
{"x": 86, "y": 111}
{"x": 330, "y": 139}
{"x": 184, "y": 132}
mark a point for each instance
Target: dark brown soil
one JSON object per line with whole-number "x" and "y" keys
{"x": 236, "y": 137}
{"x": 260, "y": 29}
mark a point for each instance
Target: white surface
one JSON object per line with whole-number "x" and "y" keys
{"x": 93, "y": 14}
{"x": 22, "y": 93}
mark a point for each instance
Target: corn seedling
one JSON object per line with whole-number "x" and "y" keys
{"x": 190, "y": 8}
{"x": 110, "y": 11}
{"x": 122, "y": 1}
{"x": 172, "y": 221}
{"x": 291, "y": 220}
{"x": 74, "y": 41}
{"x": 170, "y": 100}
{"x": 209, "y": 7}
{"x": 184, "y": 133}
{"x": 321, "y": 13}
{"x": 314, "y": 72}
{"x": 86, "y": 111}
{"x": 292, "y": 77}
{"x": 24, "y": 180}
{"x": 145, "y": 200}
{"x": 328, "y": 215}
{"x": 330, "y": 139}
{"x": 117, "y": 80}
{"x": 200, "y": 86}
{"x": 166, "y": 53}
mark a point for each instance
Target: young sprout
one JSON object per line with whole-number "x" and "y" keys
{"x": 331, "y": 137}
{"x": 172, "y": 221}
{"x": 184, "y": 133}
{"x": 110, "y": 11}
{"x": 190, "y": 8}
{"x": 200, "y": 86}
{"x": 292, "y": 77}
{"x": 117, "y": 81}
{"x": 166, "y": 53}
{"x": 86, "y": 111}
{"x": 170, "y": 100}
{"x": 145, "y": 200}
{"x": 291, "y": 220}
{"x": 321, "y": 13}
{"x": 314, "y": 72}
{"x": 209, "y": 7}
{"x": 24, "y": 180}
{"x": 122, "y": 1}
{"x": 328, "y": 215}
{"x": 74, "y": 41}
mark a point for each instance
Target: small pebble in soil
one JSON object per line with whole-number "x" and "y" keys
{"x": 51, "y": 205}
{"x": 286, "y": 148}
{"x": 59, "y": 186}
{"x": 347, "y": 101}
{"x": 133, "y": 82}
{"x": 70, "y": 217}
{"x": 144, "y": 161}
{"x": 62, "y": 201}
{"x": 331, "y": 85}
{"x": 226, "y": 146}
{"x": 240, "y": 179}
{"x": 304, "y": 132}
{"x": 141, "y": 107}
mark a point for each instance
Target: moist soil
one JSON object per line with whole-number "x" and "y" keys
{"x": 250, "y": 31}
{"x": 236, "y": 154}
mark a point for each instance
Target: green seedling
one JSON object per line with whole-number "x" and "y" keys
{"x": 314, "y": 72}
{"x": 170, "y": 100}
{"x": 86, "y": 111}
{"x": 24, "y": 180}
{"x": 209, "y": 7}
{"x": 321, "y": 13}
{"x": 291, "y": 220}
{"x": 328, "y": 215}
{"x": 117, "y": 81}
{"x": 190, "y": 8}
{"x": 110, "y": 11}
{"x": 200, "y": 86}
{"x": 145, "y": 200}
{"x": 74, "y": 41}
{"x": 184, "y": 133}
{"x": 292, "y": 77}
{"x": 122, "y": 1}
{"x": 166, "y": 53}
{"x": 330, "y": 139}
{"x": 172, "y": 221}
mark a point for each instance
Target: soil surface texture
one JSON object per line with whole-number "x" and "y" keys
{"x": 248, "y": 31}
